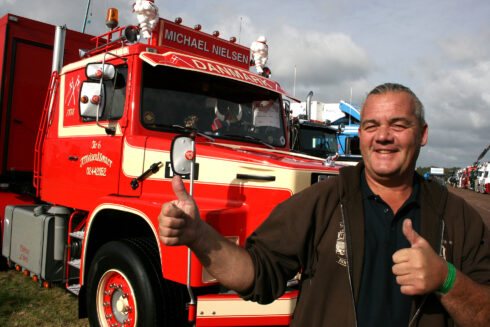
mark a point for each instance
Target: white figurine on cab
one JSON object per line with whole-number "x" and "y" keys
{"x": 147, "y": 15}
{"x": 260, "y": 52}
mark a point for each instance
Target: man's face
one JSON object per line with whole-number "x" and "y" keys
{"x": 390, "y": 136}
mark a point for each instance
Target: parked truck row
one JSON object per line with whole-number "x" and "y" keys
{"x": 476, "y": 178}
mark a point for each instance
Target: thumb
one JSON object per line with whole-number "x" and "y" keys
{"x": 412, "y": 236}
{"x": 179, "y": 188}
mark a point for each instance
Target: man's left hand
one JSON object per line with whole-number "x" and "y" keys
{"x": 418, "y": 269}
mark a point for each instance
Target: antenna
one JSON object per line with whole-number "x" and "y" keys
{"x": 86, "y": 14}
{"x": 294, "y": 82}
{"x": 350, "y": 105}
{"x": 240, "y": 30}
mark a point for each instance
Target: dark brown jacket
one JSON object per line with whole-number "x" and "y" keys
{"x": 320, "y": 231}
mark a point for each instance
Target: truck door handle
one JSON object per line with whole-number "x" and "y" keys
{"x": 72, "y": 158}
{"x": 256, "y": 177}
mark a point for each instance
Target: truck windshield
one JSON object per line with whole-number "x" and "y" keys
{"x": 216, "y": 106}
{"x": 317, "y": 142}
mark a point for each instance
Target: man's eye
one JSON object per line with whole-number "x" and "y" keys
{"x": 399, "y": 127}
{"x": 369, "y": 127}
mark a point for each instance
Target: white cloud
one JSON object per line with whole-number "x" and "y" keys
{"x": 466, "y": 48}
{"x": 322, "y": 58}
{"x": 328, "y": 63}
{"x": 457, "y": 99}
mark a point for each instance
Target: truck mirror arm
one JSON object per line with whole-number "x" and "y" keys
{"x": 154, "y": 168}
{"x": 110, "y": 130}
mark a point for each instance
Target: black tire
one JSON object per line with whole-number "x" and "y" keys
{"x": 3, "y": 260}
{"x": 130, "y": 271}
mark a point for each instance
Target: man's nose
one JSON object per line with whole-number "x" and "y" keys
{"x": 384, "y": 134}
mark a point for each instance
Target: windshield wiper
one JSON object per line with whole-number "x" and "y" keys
{"x": 198, "y": 132}
{"x": 256, "y": 139}
{"x": 251, "y": 138}
{"x": 186, "y": 129}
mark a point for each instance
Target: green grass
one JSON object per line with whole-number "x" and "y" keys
{"x": 23, "y": 303}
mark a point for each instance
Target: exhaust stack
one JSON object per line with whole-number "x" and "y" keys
{"x": 308, "y": 105}
{"x": 59, "y": 48}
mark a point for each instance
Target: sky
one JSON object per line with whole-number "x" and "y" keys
{"x": 341, "y": 49}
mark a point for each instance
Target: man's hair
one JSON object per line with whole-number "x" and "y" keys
{"x": 394, "y": 87}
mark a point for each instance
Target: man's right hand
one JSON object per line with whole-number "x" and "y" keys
{"x": 179, "y": 223}
{"x": 179, "y": 220}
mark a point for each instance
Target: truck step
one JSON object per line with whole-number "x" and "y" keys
{"x": 75, "y": 263}
{"x": 78, "y": 234}
{"x": 75, "y": 289}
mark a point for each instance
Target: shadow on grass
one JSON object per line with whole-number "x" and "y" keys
{"x": 12, "y": 299}
{"x": 24, "y": 303}
{"x": 11, "y": 303}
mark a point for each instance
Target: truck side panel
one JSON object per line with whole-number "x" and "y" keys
{"x": 26, "y": 51}
{"x": 28, "y": 79}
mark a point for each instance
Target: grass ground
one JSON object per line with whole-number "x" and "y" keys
{"x": 23, "y": 303}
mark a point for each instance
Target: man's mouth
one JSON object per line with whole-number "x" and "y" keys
{"x": 385, "y": 151}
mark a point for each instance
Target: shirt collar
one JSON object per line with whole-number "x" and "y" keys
{"x": 367, "y": 193}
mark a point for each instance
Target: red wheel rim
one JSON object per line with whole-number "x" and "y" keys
{"x": 116, "y": 304}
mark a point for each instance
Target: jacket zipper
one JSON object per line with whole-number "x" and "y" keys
{"x": 419, "y": 309}
{"x": 349, "y": 269}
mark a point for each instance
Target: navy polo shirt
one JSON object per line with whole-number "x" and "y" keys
{"x": 380, "y": 301}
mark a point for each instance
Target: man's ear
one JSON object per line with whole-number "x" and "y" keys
{"x": 425, "y": 134}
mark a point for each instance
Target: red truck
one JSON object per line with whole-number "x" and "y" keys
{"x": 100, "y": 162}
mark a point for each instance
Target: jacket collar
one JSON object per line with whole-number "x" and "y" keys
{"x": 433, "y": 199}
{"x": 352, "y": 204}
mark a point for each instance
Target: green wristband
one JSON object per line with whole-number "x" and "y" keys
{"x": 451, "y": 277}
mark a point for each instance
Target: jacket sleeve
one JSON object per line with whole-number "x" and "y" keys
{"x": 468, "y": 239}
{"x": 476, "y": 250}
{"x": 283, "y": 244}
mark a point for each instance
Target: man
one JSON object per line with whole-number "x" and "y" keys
{"x": 371, "y": 244}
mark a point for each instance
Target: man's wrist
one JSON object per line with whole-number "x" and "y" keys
{"x": 451, "y": 277}
{"x": 201, "y": 234}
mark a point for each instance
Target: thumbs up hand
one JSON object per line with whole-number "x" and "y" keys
{"x": 179, "y": 220}
{"x": 418, "y": 269}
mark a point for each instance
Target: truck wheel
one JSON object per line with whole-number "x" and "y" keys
{"x": 125, "y": 287}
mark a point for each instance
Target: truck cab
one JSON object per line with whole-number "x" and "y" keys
{"x": 315, "y": 139}
{"x": 325, "y": 130}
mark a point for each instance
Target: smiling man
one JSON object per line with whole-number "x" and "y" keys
{"x": 391, "y": 133}
{"x": 376, "y": 246}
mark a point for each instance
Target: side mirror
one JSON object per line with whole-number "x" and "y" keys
{"x": 182, "y": 155}
{"x": 131, "y": 33}
{"x": 91, "y": 97}
{"x": 98, "y": 71}
{"x": 341, "y": 128}
{"x": 287, "y": 107}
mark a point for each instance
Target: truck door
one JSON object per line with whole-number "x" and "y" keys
{"x": 86, "y": 155}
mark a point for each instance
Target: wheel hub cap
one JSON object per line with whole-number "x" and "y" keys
{"x": 118, "y": 303}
